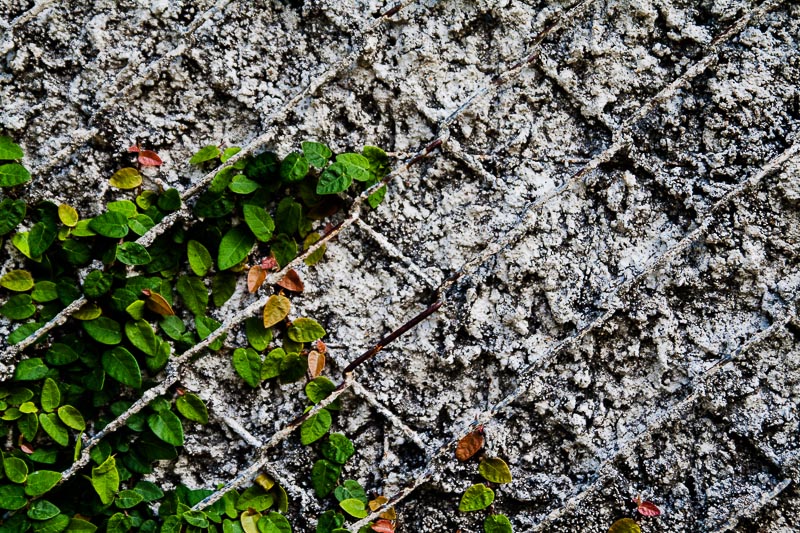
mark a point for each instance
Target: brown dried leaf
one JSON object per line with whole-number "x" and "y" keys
{"x": 255, "y": 277}
{"x": 156, "y": 303}
{"x": 388, "y": 514}
{"x": 316, "y": 363}
{"x": 469, "y": 445}
{"x": 276, "y": 309}
{"x": 292, "y": 282}
{"x": 321, "y": 348}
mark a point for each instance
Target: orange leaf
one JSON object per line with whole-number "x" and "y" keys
{"x": 255, "y": 277}
{"x": 292, "y": 282}
{"x": 134, "y": 149}
{"x": 148, "y": 158}
{"x": 648, "y": 509}
{"x": 321, "y": 348}
{"x": 156, "y": 303}
{"x": 316, "y": 363}
{"x": 469, "y": 445}
{"x": 383, "y": 526}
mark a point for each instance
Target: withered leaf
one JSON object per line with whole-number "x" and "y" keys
{"x": 156, "y": 303}
{"x": 292, "y": 282}
{"x": 276, "y": 309}
{"x": 388, "y": 514}
{"x": 255, "y": 277}
{"x": 383, "y": 526}
{"x": 469, "y": 445}
{"x": 316, "y": 363}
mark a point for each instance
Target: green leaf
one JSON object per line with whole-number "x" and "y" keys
{"x": 247, "y": 364}
{"x": 476, "y": 498}
{"x": 60, "y": 354}
{"x": 127, "y": 499}
{"x": 259, "y": 222}
{"x": 173, "y": 327}
{"x": 171, "y": 524}
{"x": 625, "y": 525}
{"x": 305, "y": 330}
{"x": 294, "y": 168}
{"x": 196, "y": 519}
{"x": 40, "y": 238}
{"x": 17, "y": 280}
{"x": 354, "y": 507}
{"x": 44, "y": 291}
{"x": 271, "y": 367}
{"x": 76, "y": 252}
{"x": 97, "y": 284}
{"x": 126, "y": 207}
{"x": 13, "y": 174}
{"x": 206, "y": 326}
{"x": 497, "y": 523}
{"x": 68, "y": 215}
{"x": 57, "y": 524}
{"x": 41, "y": 481}
{"x": 167, "y": 427}
{"x": 324, "y": 475}
{"x": 234, "y": 247}
{"x": 140, "y": 224}
{"x": 207, "y": 153}
{"x": 30, "y": 370}
{"x": 132, "y": 253}
{"x": 229, "y": 152}
{"x": 9, "y": 149}
{"x": 194, "y": 294}
{"x": 254, "y": 497}
{"x": 71, "y": 417}
{"x": 142, "y": 336}
{"x": 249, "y": 520}
{"x": 338, "y": 448}
{"x": 16, "y": 469}
{"x": 104, "y": 330}
{"x": 316, "y": 154}
{"x": 150, "y": 491}
{"x": 258, "y": 336}
{"x": 12, "y": 497}
{"x": 54, "y": 428}
{"x": 12, "y": 212}
{"x": 192, "y": 407}
{"x": 320, "y": 388}
{"x": 42, "y": 510}
{"x": 18, "y": 307}
{"x": 121, "y": 365}
{"x": 111, "y": 224}
{"x": 293, "y": 367}
{"x": 274, "y": 523}
{"x": 356, "y": 165}
{"x": 334, "y": 179}
{"x": 105, "y": 480}
{"x": 126, "y": 178}
{"x": 199, "y": 258}
{"x": 28, "y": 425}
{"x": 316, "y": 256}
{"x": 51, "y": 396}
{"x": 76, "y": 525}
{"x": 351, "y": 489}
{"x": 495, "y": 470}
{"x": 241, "y": 184}
{"x": 223, "y": 285}
{"x": 169, "y": 200}
{"x": 288, "y": 216}
{"x": 378, "y": 161}
{"x": 281, "y": 498}
{"x": 284, "y": 249}
{"x": 315, "y": 426}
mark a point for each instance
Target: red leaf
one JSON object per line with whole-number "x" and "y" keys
{"x": 383, "y": 526}
{"x": 469, "y": 445}
{"x": 26, "y": 448}
{"x": 148, "y": 158}
{"x": 292, "y": 282}
{"x": 321, "y": 347}
{"x": 648, "y": 509}
{"x": 134, "y": 149}
{"x": 269, "y": 263}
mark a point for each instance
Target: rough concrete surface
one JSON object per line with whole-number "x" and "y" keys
{"x": 619, "y": 185}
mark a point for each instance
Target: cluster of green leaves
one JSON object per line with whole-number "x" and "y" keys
{"x": 481, "y": 496}
{"x": 145, "y": 304}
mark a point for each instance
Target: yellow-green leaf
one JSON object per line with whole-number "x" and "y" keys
{"x": 276, "y": 309}
{"x": 495, "y": 470}
{"x": 126, "y": 178}
{"x": 68, "y": 215}
{"x": 17, "y": 280}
